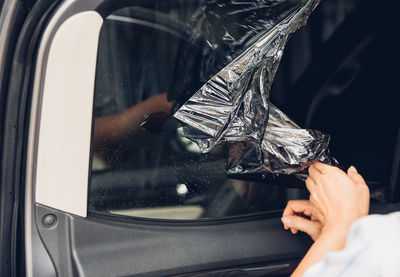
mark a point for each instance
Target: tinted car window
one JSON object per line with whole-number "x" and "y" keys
{"x": 147, "y": 169}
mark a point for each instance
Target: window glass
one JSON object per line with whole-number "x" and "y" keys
{"x": 141, "y": 166}
{"x": 144, "y": 168}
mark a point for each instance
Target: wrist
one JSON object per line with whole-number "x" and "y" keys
{"x": 333, "y": 238}
{"x": 339, "y": 224}
{"x": 336, "y": 233}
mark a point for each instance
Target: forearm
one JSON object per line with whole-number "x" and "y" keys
{"x": 331, "y": 239}
{"x": 112, "y": 129}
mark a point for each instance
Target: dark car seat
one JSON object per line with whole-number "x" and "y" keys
{"x": 351, "y": 92}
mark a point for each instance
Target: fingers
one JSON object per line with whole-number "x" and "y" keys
{"x": 314, "y": 199}
{"x": 354, "y": 176}
{"x": 295, "y": 207}
{"x": 321, "y": 167}
{"x": 310, "y": 184}
{"x": 317, "y": 169}
{"x": 314, "y": 172}
{"x": 312, "y": 228}
{"x": 317, "y": 214}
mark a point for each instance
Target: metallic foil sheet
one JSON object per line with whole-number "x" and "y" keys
{"x": 233, "y": 105}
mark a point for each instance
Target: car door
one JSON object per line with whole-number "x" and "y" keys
{"x": 160, "y": 211}
{"x": 149, "y": 204}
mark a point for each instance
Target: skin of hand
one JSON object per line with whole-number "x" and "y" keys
{"x": 111, "y": 129}
{"x": 336, "y": 200}
{"x": 337, "y": 197}
{"x": 298, "y": 215}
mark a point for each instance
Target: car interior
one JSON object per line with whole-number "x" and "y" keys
{"x": 162, "y": 174}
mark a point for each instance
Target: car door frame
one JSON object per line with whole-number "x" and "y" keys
{"x": 68, "y": 241}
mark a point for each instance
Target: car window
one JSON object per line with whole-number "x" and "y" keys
{"x": 141, "y": 165}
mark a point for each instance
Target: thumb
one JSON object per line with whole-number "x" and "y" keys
{"x": 354, "y": 176}
{"x": 312, "y": 228}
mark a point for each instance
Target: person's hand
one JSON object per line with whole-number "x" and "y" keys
{"x": 159, "y": 111}
{"x": 298, "y": 215}
{"x": 159, "y": 103}
{"x": 337, "y": 198}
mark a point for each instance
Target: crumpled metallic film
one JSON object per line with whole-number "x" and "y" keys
{"x": 233, "y": 106}
{"x": 284, "y": 149}
{"x": 218, "y": 32}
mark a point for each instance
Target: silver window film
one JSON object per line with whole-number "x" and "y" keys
{"x": 233, "y": 106}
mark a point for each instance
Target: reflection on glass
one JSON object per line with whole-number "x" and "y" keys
{"x": 141, "y": 166}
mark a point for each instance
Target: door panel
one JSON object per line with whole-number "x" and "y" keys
{"x": 104, "y": 246}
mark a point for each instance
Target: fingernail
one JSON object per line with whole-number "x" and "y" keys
{"x": 286, "y": 220}
{"x": 352, "y": 169}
